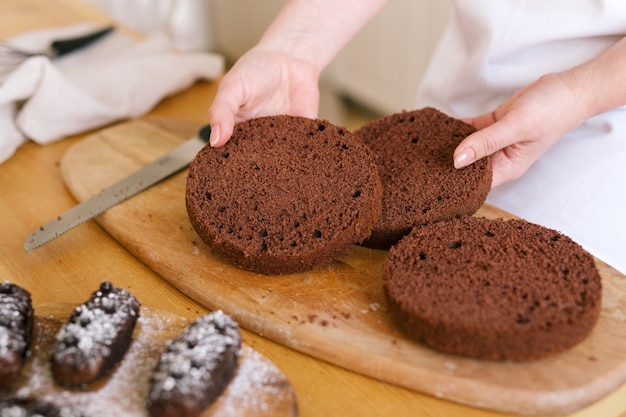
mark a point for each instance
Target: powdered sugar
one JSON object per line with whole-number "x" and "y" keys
{"x": 15, "y": 311}
{"x": 16, "y": 318}
{"x": 261, "y": 377}
{"x": 198, "y": 363}
{"x": 257, "y": 389}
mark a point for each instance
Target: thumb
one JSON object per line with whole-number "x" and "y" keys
{"x": 225, "y": 108}
{"x": 221, "y": 117}
{"x": 222, "y": 126}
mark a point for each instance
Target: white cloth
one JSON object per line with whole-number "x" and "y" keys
{"x": 489, "y": 50}
{"x": 116, "y": 77}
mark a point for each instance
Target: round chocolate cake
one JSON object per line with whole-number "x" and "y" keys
{"x": 492, "y": 288}
{"x": 420, "y": 184}
{"x": 284, "y": 195}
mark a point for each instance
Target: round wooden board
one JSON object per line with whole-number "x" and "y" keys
{"x": 258, "y": 388}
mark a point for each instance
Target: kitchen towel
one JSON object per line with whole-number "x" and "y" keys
{"x": 116, "y": 77}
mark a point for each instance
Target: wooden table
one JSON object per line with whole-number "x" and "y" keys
{"x": 32, "y": 192}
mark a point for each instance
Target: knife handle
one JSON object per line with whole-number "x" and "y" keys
{"x": 65, "y": 46}
{"x": 205, "y": 133}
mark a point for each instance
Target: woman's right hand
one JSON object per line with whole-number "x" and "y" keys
{"x": 280, "y": 74}
{"x": 262, "y": 83}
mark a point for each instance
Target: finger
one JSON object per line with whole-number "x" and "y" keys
{"x": 221, "y": 115}
{"x": 483, "y": 142}
{"x": 222, "y": 129}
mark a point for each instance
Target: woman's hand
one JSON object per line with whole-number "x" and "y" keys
{"x": 280, "y": 74}
{"x": 519, "y": 131}
{"x": 263, "y": 83}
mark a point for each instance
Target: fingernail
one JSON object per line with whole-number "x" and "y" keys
{"x": 215, "y": 135}
{"x": 464, "y": 158}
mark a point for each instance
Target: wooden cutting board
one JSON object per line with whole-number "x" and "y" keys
{"x": 336, "y": 313}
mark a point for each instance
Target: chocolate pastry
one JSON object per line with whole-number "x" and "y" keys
{"x": 195, "y": 367}
{"x": 16, "y": 329}
{"x": 31, "y": 407}
{"x": 96, "y": 336}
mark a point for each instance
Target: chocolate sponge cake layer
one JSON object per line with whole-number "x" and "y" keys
{"x": 420, "y": 184}
{"x": 285, "y": 194}
{"x": 492, "y": 288}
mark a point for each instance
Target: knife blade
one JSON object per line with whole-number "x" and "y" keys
{"x": 151, "y": 174}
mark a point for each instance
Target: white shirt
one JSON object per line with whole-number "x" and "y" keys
{"x": 489, "y": 50}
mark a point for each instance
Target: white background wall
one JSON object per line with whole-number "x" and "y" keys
{"x": 381, "y": 68}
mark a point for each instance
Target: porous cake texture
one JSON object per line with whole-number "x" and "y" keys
{"x": 420, "y": 184}
{"x": 493, "y": 289}
{"x": 285, "y": 194}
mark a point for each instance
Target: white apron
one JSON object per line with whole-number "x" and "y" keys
{"x": 489, "y": 50}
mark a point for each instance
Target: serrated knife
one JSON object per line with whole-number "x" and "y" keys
{"x": 167, "y": 165}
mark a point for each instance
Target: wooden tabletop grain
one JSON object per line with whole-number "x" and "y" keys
{"x": 32, "y": 192}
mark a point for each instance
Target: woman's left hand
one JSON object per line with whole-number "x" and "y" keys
{"x": 520, "y": 130}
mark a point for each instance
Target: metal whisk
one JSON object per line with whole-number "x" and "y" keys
{"x": 11, "y": 56}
